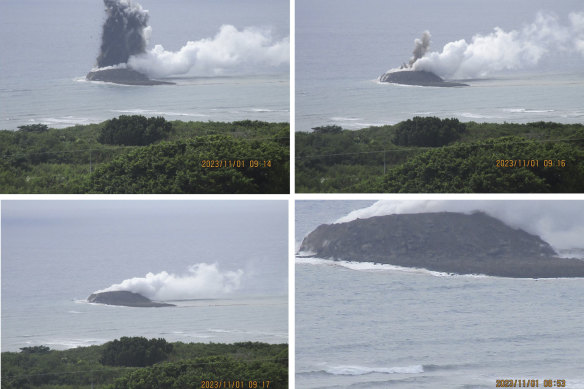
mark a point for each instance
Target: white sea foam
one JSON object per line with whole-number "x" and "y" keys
{"x": 139, "y": 111}
{"x": 63, "y": 344}
{"x": 343, "y": 119}
{"x": 361, "y": 370}
{"x": 260, "y": 110}
{"x": 471, "y": 115}
{"x": 379, "y": 267}
{"x": 525, "y": 110}
{"x": 66, "y": 121}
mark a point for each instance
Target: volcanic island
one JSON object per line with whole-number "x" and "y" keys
{"x": 123, "y": 36}
{"x": 125, "y": 298}
{"x": 444, "y": 242}
{"x": 410, "y": 74}
{"x": 417, "y": 77}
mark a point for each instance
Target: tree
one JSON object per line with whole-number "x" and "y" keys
{"x": 333, "y": 129}
{"x": 465, "y": 168}
{"x": 33, "y": 128}
{"x": 135, "y": 351}
{"x": 35, "y": 350}
{"x": 134, "y": 130}
{"x": 428, "y": 132}
{"x": 178, "y": 167}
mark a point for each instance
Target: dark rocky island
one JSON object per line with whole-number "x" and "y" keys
{"x": 419, "y": 78}
{"x": 444, "y": 242}
{"x": 123, "y": 76}
{"x": 125, "y": 298}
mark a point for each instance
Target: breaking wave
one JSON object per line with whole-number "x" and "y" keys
{"x": 371, "y": 266}
{"x": 361, "y": 370}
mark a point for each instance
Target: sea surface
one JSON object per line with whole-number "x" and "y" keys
{"x": 56, "y": 253}
{"x": 49, "y": 46}
{"x": 373, "y": 326}
{"x": 343, "y": 46}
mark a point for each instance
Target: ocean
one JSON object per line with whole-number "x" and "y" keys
{"x": 223, "y": 263}
{"x": 375, "y": 326}
{"x": 343, "y": 46}
{"x": 48, "y": 48}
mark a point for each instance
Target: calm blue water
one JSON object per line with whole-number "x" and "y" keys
{"x": 380, "y": 328}
{"x": 56, "y": 253}
{"x": 48, "y": 48}
{"x": 342, "y": 46}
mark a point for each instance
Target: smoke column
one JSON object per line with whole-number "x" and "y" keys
{"x": 560, "y": 223}
{"x": 420, "y": 48}
{"x": 502, "y": 50}
{"x": 124, "y": 32}
{"x": 201, "y": 281}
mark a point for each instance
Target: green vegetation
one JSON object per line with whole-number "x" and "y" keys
{"x": 33, "y": 128}
{"x": 137, "y": 351}
{"x": 134, "y": 154}
{"x": 428, "y": 131}
{"x": 183, "y": 366}
{"x": 134, "y": 131}
{"x": 430, "y": 155}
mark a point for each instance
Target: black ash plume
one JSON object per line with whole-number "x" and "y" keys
{"x": 421, "y": 46}
{"x": 123, "y": 32}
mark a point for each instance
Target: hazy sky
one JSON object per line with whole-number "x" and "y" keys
{"x": 242, "y": 241}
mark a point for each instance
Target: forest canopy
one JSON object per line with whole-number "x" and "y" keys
{"x": 135, "y": 154}
{"x": 175, "y": 365}
{"x": 432, "y": 155}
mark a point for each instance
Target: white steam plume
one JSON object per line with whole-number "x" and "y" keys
{"x": 560, "y": 223}
{"x": 501, "y": 50}
{"x": 202, "y": 281}
{"x": 231, "y": 49}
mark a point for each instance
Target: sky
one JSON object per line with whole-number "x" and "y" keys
{"x": 162, "y": 249}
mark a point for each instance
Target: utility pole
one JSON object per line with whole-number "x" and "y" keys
{"x": 383, "y": 162}
{"x": 90, "y": 173}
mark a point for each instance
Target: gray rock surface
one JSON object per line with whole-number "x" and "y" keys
{"x": 420, "y": 78}
{"x": 124, "y": 77}
{"x": 125, "y": 298}
{"x": 444, "y": 242}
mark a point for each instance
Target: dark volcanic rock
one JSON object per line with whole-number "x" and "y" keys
{"x": 123, "y": 76}
{"x": 445, "y": 242}
{"x": 420, "y": 78}
{"x": 122, "y": 297}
